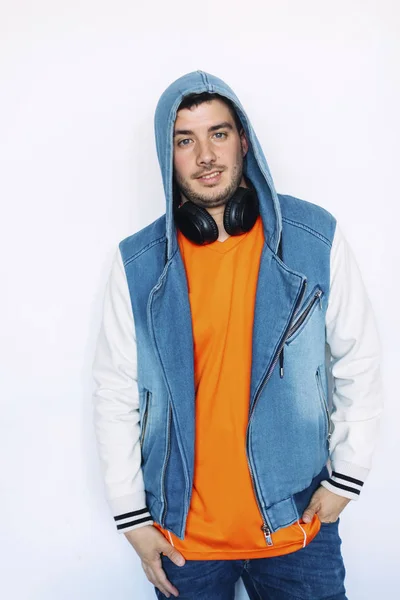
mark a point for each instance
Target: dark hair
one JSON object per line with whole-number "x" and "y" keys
{"x": 196, "y": 99}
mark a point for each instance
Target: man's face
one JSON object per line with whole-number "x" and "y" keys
{"x": 208, "y": 154}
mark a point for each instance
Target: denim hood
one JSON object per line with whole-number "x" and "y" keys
{"x": 255, "y": 164}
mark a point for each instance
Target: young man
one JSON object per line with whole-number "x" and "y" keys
{"x": 222, "y": 455}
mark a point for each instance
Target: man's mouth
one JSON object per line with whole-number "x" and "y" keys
{"x": 210, "y": 177}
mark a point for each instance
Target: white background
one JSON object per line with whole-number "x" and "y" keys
{"x": 79, "y": 84}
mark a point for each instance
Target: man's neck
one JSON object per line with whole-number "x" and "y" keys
{"x": 217, "y": 214}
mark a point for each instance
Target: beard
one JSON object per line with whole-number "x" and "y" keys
{"x": 212, "y": 198}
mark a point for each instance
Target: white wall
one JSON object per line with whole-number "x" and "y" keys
{"x": 79, "y": 83}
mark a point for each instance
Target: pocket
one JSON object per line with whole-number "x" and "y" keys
{"x": 324, "y": 401}
{"x": 332, "y": 524}
{"x": 143, "y": 425}
{"x": 313, "y": 299}
{"x": 326, "y": 524}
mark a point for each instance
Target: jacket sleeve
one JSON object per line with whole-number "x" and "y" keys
{"x": 116, "y": 405}
{"x": 352, "y": 335}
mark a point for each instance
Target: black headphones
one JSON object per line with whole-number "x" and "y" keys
{"x": 240, "y": 214}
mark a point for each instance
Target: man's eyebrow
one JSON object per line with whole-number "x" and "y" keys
{"x": 224, "y": 125}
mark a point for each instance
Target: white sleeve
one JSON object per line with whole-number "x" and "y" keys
{"x": 352, "y": 334}
{"x": 116, "y": 405}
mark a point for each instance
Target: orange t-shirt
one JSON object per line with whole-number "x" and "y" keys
{"x": 224, "y": 521}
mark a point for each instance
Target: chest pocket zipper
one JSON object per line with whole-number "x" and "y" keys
{"x": 316, "y": 297}
{"x": 145, "y": 418}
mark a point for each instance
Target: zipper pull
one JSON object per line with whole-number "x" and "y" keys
{"x": 281, "y": 363}
{"x": 319, "y": 295}
{"x": 267, "y": 534}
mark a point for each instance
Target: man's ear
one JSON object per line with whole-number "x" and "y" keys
{"x": 244, "y": 143}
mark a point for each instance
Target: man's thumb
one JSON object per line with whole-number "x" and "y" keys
{"x": 310, "y": 511}
{"x": 174, "y": 555}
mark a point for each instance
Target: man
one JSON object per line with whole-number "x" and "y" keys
{"x": 222, "y": 455}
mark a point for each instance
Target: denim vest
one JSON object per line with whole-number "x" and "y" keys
{"x": 287, "y": 440}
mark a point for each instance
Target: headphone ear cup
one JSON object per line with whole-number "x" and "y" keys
{"x": 196, "y": 223}
{"x": 241, "y": 211}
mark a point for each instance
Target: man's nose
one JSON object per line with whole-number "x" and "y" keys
{"x": 206, "y": 154}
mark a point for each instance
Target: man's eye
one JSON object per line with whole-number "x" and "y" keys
{"x": 182, "y": 142}
{"x": 220, "y": 133}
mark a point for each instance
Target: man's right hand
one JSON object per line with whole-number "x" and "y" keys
{"x": 149, "y": 542}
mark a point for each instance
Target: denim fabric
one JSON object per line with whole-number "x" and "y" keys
{"x": 315, "y": 572}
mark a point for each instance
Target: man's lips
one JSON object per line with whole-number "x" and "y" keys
{"x": 211, "y": 177}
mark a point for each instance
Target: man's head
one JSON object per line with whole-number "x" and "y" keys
{"x": 208, "y": 139}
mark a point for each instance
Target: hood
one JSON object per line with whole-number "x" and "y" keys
{"x": 255, "y": 164}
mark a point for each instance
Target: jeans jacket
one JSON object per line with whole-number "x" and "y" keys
{"x": 316, "y": 392}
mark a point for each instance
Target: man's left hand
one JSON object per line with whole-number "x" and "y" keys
{"x": 326, "y": 504}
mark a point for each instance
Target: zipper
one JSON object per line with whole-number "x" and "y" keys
{"x": 317, "y": 296}
{"x": 265, "y": 527}
{"x": 145, "y": 416}
{"x": 267, "y": 534}
{"x": 155, "y": 289}
{"x": 326, "y": 410}
{"x": 150, "y": 320}
{"x": 165, "y": 468}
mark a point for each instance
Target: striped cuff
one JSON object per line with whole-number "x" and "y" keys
{"x": 343, "y": 485}
{"x": 133, "y": 520}
{"x": 346, "y": 479}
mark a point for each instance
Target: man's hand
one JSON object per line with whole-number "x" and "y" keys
{"x": 149, "y": 542}
{"x": 326, "y": 504}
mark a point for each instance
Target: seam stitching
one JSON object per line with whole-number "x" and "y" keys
{"x": 309, "y": 229}
{"x": 143, "y": 250}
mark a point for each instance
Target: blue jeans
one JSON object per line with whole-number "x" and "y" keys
{"x": 315, "y": 572}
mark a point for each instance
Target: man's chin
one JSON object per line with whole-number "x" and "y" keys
{"x": 213, "y": 200}
{"x": 210, "y": 202}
